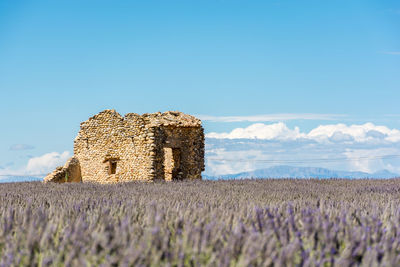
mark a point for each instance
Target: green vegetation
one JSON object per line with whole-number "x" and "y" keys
{"x": 223, "y": 223}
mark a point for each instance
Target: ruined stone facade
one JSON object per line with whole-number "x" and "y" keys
{"x": 166, "y": 146}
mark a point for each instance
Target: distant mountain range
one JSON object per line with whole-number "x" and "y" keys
{"x": 273, "y": 172}
{"x": 15, "y": 179}
{"x": 302, "y": 172}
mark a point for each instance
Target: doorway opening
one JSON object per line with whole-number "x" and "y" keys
{"x": 172, "y": 162}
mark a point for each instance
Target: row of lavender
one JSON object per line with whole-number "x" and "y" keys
{"x": 223, "y": 223}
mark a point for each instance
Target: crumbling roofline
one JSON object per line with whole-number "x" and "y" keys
{"x": 166, "y": 119}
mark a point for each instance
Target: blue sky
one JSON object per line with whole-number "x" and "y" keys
{"x": 321, "y": 62}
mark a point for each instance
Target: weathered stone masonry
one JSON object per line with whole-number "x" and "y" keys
{"x": 111, "y": 148}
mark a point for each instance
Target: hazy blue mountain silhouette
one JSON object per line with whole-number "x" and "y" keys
{"x": 303, "y": 172}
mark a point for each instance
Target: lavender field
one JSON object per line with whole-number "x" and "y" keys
{"x": 278, "y": 222}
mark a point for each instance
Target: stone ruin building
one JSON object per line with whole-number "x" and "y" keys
{"x": 111, "y": 148}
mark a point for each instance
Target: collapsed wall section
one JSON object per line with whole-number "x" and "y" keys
{"x": 71, "y": 172}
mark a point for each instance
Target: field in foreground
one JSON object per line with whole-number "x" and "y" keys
{"x": 223, "y": 223}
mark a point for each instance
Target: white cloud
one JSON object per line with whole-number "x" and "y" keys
{"x": 365, "y": 147}
{"x": 234, "y": 165}
{"x": 333, "y": 133}
{"x": 371, "y": 160}
{"x": 40, "y": 165}
{"x": 271, "y": 117}
{"x": 46, "y": 163}
{"x": 278, "y": 131}
{"x": 360, "y": 133}
{"x": 227, "y": 156}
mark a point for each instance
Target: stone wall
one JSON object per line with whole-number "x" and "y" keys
{"x": 110, "y": 138}
{"x": 112, "y": 148}
{"x": 189, "y": 141}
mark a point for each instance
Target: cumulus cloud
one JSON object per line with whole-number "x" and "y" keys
{"x": 360, "y": 133}
{"x": 277, "y": 131}
{"x": 341, "y": 137}
{"x": 37, "y": 166}
{"x": 363, "y": 133}
{"x": 227, "y": 156}
{"x": 364, "y": 147}
{"x": 271, "y": 117}
{"x": 18, "y": 147}
{"x": 46, "y": 163}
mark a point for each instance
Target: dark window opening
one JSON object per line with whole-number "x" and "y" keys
{"x": 113, "y": 167}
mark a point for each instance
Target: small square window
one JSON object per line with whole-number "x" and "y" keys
{"x": 113, "y": 167}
